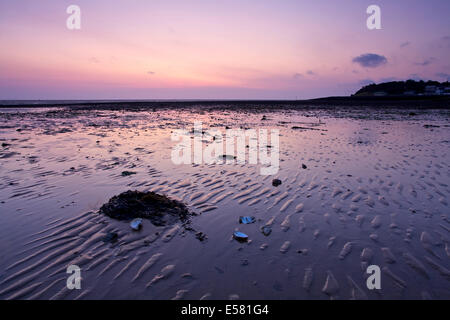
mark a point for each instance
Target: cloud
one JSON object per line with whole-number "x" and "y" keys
{"x": 311, "y": 73}
{"x": 444, "y": 42}
{"x": 150, "y": 72}
{"x": 443, "y": 75}
{"x": 370, "y": 60}
{"x": 425, "y": 62}
{"x": 405, "y": 44}
{"x": 297, "y": 75}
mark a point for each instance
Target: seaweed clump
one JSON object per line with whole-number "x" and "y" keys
{"x": 159, "y": 209}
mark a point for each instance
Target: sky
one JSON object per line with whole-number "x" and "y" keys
{"x": 221, "y": 49}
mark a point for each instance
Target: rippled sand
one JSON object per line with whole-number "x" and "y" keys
{"x": 374, "y": 191}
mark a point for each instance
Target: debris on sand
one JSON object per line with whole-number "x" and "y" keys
{"x": 159, "y": 209}
{"x": 247, "y": 220}
{"x": 304, "y": 166}
{"x": 239, "y": 236}
{"x": 276, "y": 182}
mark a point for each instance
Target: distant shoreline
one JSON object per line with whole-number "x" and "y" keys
{"x": 420, "y": 102}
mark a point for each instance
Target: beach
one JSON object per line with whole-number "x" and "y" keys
{"x": 359, "y": 187}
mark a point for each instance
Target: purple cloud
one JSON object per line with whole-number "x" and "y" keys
{"x": 425, "y": 62}
{"x": 405, "y": 44}
{"x": 370, "y": 60}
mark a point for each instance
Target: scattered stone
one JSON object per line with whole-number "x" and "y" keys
{"x": 308, "y": 279}
{"x": 127, "y": 173}
{"x": 304, "y": 166}
{"x": 136, "y": 224}
{"x": 331, "y": 286}
{"x": 266, "y": 230}
{"x": 111, "y": 237}
{"x": 239, "y": 236}
{"x": 285, "y": 247}
{"x": 316, "y": 233}
{"x": 376, "y": 222}
{"x": 345, "y": 250}
{"x": 276, "y": 182}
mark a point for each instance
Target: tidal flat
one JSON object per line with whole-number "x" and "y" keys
{"x": 357, "y": 188}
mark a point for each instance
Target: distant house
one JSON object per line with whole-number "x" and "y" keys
{"x": 430, "y": 90}
{"x": 446, "y": 91}
{"x": 409, "y": 93}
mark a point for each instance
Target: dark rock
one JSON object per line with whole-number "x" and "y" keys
{"x": 266, "y": 230}
{"x": 201, "y": 236}
{"x": 159, "y": 209}
{"x": 111, "y": 237}
{"x": 304, "y": 166}
{"x": 127, "y": 173}
{"x": 276, "y": 182}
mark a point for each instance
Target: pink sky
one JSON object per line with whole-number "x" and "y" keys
{"x": 233, "y": 49}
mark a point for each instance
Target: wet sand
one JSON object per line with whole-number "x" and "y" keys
{"x": 374, "y": 191}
